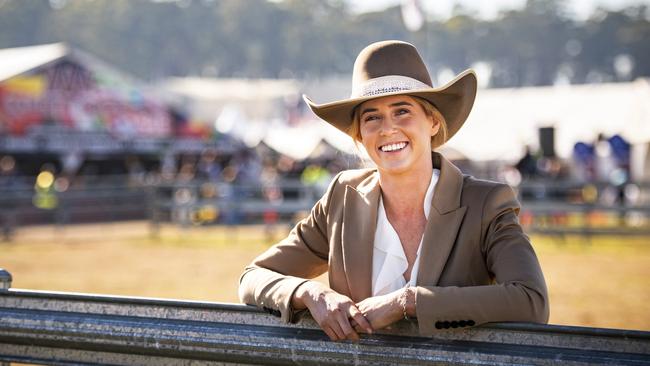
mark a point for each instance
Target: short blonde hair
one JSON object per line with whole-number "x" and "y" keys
{"x": 437, "y": 140}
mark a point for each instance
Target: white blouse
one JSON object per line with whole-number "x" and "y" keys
{"x": 388, "y": 259}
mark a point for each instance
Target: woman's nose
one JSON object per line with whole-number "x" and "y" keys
{"x": 387, "y": 127}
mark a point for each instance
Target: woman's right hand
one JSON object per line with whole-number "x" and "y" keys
{"x": 331, "y": 310}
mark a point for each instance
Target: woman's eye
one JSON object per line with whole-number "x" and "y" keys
{"x": 370, "y": 118}
{"x": 402, "y": 111}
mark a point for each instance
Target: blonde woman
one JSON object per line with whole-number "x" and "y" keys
{"x": 412, "y": 237}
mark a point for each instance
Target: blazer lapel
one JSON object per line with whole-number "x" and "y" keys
{"x": 443, "y": 224}
{"x": 359, "y": 224}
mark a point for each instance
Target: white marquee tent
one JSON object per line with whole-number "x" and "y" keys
{"x": 501, "y": 124}
{"x": 504, "y": 121}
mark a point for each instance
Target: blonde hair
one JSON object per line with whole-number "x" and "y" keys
{"x": 437, "y": 140}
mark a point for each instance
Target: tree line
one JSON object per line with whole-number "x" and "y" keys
{"x": 539, "y": 44}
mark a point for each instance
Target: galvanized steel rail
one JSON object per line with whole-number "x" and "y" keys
{"x": 71, "y": 329}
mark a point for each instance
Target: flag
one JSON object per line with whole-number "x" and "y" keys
{"x": 412, "y": 15}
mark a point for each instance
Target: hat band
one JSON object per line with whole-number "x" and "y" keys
{"x": 387, "y": 84}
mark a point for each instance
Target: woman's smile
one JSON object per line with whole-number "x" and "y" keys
{"x": 393, "y": 147}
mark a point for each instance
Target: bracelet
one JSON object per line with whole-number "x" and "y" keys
{"x": 404, "y": 301}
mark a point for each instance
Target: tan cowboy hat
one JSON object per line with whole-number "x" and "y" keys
{"x": 396, "y": 68}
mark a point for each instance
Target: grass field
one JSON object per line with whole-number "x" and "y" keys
{"x": 601, "y": 283}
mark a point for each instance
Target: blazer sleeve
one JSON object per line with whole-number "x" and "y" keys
{"x": 518, "y": 291}
{"x": 271, "y": 279}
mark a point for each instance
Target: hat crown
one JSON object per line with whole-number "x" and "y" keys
{"x": 390, "y": 68}
{"x": 388, "y": 58}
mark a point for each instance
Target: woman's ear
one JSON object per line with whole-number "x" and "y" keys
{"x": 435, "y": 126}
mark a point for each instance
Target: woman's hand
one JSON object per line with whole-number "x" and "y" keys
{"x": 383, "y": 310}
{"x": 332, "y": 311}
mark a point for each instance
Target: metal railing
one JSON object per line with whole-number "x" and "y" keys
{"x": 19, "y": 207}
{"x": 546, "y": 206}
{"x": 587, "y": 220}
{"x": 67, "y": 328}
{"x": 114, "y": 198}
{"x": 206, "y": 203}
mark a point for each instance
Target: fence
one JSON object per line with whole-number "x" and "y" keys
{"x": 72, "y": 329}
{"x": 115, "y": 198}
{"x": 563, "y": 208}
{"x": 204, "y": 202}
{"x": 96, "y": 199}
{"x": 556, "y": 208}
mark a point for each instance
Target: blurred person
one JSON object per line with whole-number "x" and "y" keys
{"x": 620, "y": 176}
{"x": 208, "y": 167}
{"x": 249, "y": 167}
{"x": 583, "y": 160}
{"x": 605, "y": 162}
{"x": 316, "y": 176}
{"x": 230, "y": 194}
{"x": 269, "y": 174}
{"x": 621, "y": 150}
{"x": 135, "y": 170}
{"x": 285, "y": 165}
{"x": 335, "y": 166}
{"x": 8, "y": 172}
{"x": 270, "y": 179}
{"x": 184, "y": 195}
{"x": 8, "y": 201}
{"x": 411, "y": 237}
{"x": 527, "y": 165}
{"x": 187, "y": 171}
{"x": 44, "y": 193}
{"x": 273, "y": 195}
{"x": 168, "y": 166}
{"x": 551, "y": 168}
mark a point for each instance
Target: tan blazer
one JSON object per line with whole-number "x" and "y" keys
{"x": 476, "y": 264}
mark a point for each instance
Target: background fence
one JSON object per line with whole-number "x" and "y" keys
{"x": 555, "y": 208}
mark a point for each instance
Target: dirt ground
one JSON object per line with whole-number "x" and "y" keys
{"x": 604, "y": 282}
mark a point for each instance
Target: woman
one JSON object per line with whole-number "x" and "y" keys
{"x": 412, "y": 237}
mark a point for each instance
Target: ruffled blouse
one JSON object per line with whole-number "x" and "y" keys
{"x": 388, "y": 258}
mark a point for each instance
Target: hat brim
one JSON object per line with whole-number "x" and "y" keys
{"x": 454, "y": 100}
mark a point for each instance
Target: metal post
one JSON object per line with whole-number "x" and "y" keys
{"x": 5, "y": 280}
{"x": 153, "y": 210}
{"x": 5, "y": 284}
{"x": 8, "y": 225}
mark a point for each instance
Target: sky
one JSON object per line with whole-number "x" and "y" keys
{"x": 488, "y": 9}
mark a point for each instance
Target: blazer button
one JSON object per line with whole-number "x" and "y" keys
{"x": 470, "y": 323}
{"x": 446, "y": 324}
{"x": 438, "y": 325}
{"x": 462, "y": 323}
{"x": 454, "y": 324}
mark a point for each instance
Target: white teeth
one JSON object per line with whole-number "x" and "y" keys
{"x": 393, "y": 147}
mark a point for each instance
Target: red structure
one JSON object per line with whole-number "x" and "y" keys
{"x": 72, "y": 89}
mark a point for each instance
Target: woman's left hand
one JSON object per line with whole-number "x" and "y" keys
{"x": 381, "y": 311}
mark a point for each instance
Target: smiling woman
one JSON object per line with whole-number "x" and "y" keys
{"x": 396, "y": 132}
{"x": 412, "y": 237}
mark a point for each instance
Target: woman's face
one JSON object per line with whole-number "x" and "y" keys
{"x": 396, "y": 132}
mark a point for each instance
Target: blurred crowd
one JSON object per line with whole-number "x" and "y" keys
{"x": 260, "y": 185}
{"x": 603, "y": 162}
{"x": 597, "y": 172}
{"x": 249, "y": 166}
